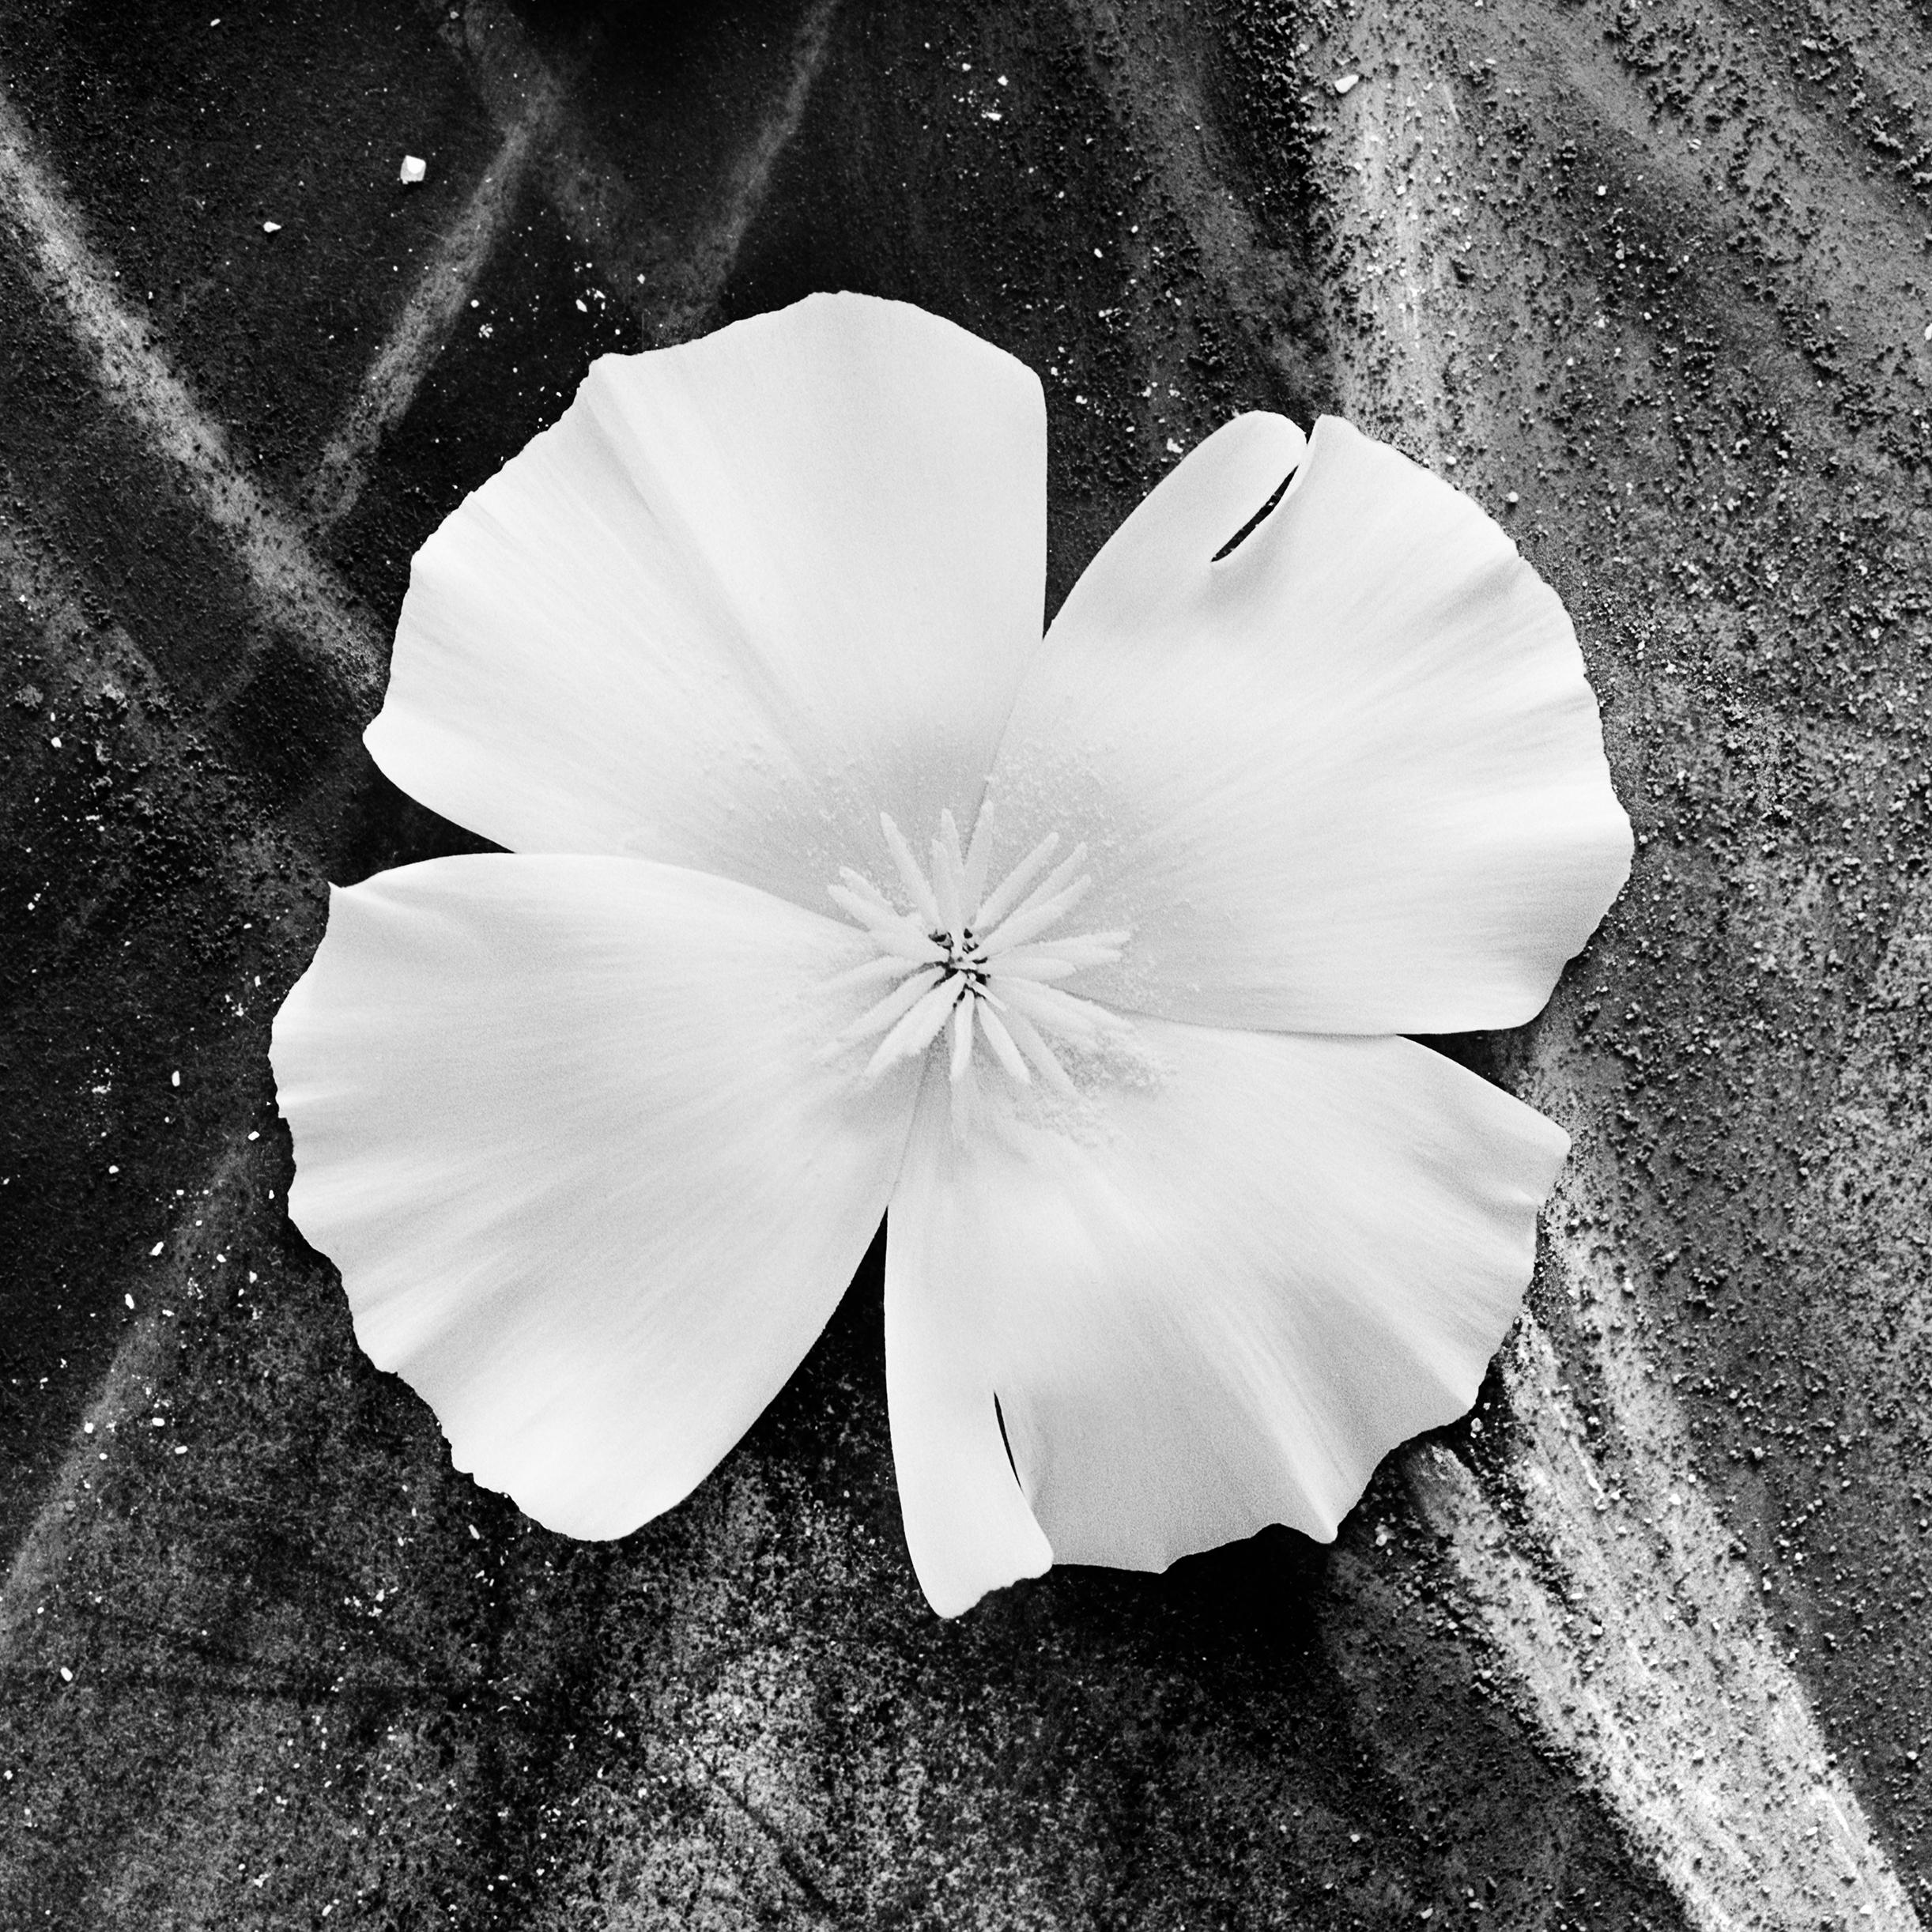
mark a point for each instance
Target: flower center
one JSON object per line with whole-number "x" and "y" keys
{"x": 982, "y": 963}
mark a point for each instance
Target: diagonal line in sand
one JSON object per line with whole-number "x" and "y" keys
{"x": 420, "y": 333}
{"x": 293, "y": 588}
{"x": 142, "y": 1359}
{"x": 712, "y": 260}
{"x": 527, "y": 100}
{"x": 602, "y": 212}
{"x": 1626, "y": 1615}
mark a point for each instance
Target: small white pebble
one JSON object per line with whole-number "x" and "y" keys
{"x": 271, "y": 227}
{"x": 54, "y": 742}
{"x": 87, "y": 1428}
{"x": 152, "y": 1252}
{"x": 1929, "y": 331}
{"x": 475, "y": 1533}
{"x": 129, "y": 1299}
{"x": 174, "y": 1079}
{"x": 414, "y": 169}
{"x": 1512, "y": 497}
{"x": 1344, "y": 82}
{"x": 66, "y": 1676}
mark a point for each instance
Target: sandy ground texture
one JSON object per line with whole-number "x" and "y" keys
{"x": 1643, "y": 1644}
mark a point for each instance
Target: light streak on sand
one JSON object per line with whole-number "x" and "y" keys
{"x": 715, "y": 253}
{"x": 293, "y": 588}
{"x": 417, "y": 336}
{"x": 138, "y": 1372}
{"x": 673, "y": 280}
{"x": 1628, "y": 1617}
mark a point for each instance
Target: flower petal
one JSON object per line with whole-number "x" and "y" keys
{"x": 562, "y": 1124}
{"x": 1224, "y": 1302}
{"x": 1349, "y": 778}
{"x": 967, "y": 1527}
{"x": 744, "y": 593}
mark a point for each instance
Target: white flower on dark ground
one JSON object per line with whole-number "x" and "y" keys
{"x": 833, "y": 889}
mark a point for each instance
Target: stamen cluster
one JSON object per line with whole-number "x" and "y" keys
{"x": 978, "y": 960}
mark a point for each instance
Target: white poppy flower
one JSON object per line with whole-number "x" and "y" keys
{"x": 834, "y": 892}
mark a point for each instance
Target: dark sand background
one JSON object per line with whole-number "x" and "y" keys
{"x": 1645, "y": 1644}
